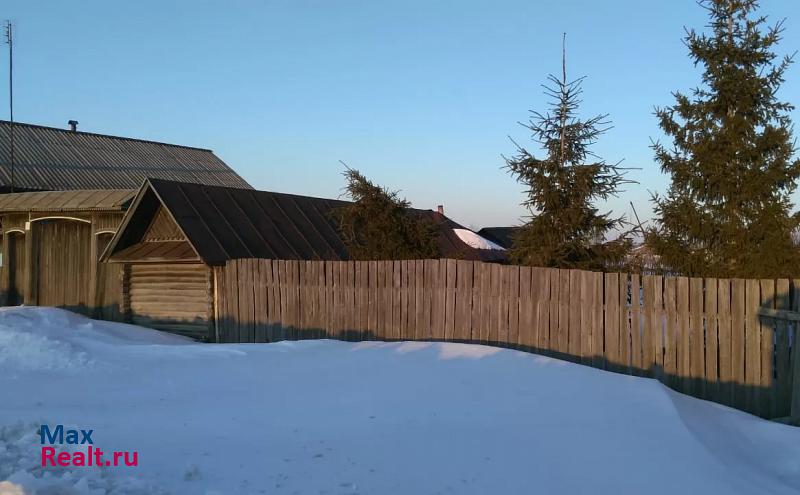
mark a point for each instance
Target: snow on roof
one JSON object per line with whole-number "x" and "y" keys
{"x": 473, "y": 240}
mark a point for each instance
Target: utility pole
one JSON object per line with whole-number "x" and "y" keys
{"x": 10, "y": 41}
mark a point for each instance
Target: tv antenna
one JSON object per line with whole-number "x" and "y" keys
{"x": 9, "y": 39}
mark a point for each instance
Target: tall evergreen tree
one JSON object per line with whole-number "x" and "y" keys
{"x": 565, "y": 228}
{"x": 727, "y": 211}
{"x": 379, "y": 225}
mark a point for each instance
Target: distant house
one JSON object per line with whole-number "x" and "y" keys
{"x": 175, "y": 233}
{"x": 76, "y": 187}
{"x": 502, "y": 236}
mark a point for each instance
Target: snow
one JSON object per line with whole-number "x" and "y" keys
{"x": 473, "y": 240}
{"x": 318, "y": 417}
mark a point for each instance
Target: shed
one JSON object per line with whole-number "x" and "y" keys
{"x": 175, "y": 233}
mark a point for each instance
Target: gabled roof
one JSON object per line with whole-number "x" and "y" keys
{"x": 222, "y": 223}
{"x": 51, "y": 159}
{"x": 78, "y": 200}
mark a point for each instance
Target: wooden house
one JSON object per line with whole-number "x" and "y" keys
{"x": 174, "y": 234}
{"x": 75, "y": 188}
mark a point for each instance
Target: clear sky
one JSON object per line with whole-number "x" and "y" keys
{"x": 420, "y": 95}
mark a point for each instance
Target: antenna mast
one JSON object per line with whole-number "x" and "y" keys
{"x": 10, "y": 41}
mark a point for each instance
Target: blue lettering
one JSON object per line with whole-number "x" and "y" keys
{"x": 87, "y": 436}
{"x": 57, "y": 435}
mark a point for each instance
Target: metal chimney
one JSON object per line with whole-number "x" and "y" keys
{"x": 73, "y": 125}
{"x": 440, "y": 209}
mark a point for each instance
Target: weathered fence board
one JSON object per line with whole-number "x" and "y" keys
{"x": 730, "y": 341}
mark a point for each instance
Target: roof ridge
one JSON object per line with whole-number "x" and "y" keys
{"x": 111, "y": 136}
{"x": 410, "y": 208}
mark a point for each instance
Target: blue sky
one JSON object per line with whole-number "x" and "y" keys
{"x": 419, "y": 95}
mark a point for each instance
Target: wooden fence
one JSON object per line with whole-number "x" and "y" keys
{"x": 724, "y": 340}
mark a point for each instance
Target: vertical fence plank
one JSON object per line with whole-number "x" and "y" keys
{"x": 450, "y": 299}
{"x": 782, "y": 364}
{"x": 542, "y": 278}
{"x": 494, "y": 307}
{"x": 403, "y": 331}
{"x": 696, "y": 338}
{"x": 711, "y": 341}
{"x": 513, "y": 306}
{"x": 683, "y": 327}
{"x": 624, "y": 324}
{"x": 671, "y": 367}
{"x": 587, "y": 303}
{"x": 259, "y": 309}
{"x": 462, "y": 301}
{"x": 574, "y": 327}
{"x": 477, "y": 303}
{"x": 725, "y": 393}
{"x": 767, "y": 405}
{"x": 527, "y": 304}
{"x": 648, "y": 325}
{"x": 636, "y": 326}
{"x": 464, "y": 282}
{"x": 423, "y": 324}
{"x": 598, "y": 322}
{"x": 752, "y": 361}
{"x": 738, "y": 339}
{"x": 563, "y": 313}
{"x": 503, "y": 305}
{"x": 486, "y": 301}
{"x": 397, "y": 305}
{"x": 612, "y": 310}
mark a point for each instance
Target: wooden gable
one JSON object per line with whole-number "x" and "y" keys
{"x": 162, "y": 228}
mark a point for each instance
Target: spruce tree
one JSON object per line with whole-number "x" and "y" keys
{"x": 379, "y": 225}
{"x": 727, "y": 212}
{"x": 565, "y": 228}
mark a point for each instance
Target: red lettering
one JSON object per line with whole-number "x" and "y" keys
{"x": 134, "y": 462}
{"x": 47, "y": 455}
{"x": 117, "y": 455}
{"x": 98, "y": 457}
{"x": 63, "y": 459}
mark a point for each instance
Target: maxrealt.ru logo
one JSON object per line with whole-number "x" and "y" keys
{"x": 91, "y": 456}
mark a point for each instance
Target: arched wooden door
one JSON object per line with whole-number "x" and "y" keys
{"x": 16, "y": 267}
{"x": 62, "y": 251}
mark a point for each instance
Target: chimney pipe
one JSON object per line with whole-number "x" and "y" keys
{"x": 440, "y": 209}
{"x": 73, "y": 125}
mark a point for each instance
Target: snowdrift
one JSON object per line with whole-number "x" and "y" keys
{"x": 335, "y": 417}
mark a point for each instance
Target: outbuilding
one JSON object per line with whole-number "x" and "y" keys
{"x": 174, "y": 234}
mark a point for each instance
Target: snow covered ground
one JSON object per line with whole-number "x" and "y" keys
{"x": 326, "y": 417}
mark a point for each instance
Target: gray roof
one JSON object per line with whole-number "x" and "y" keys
{"x": 225, "y": 223}
{"x": 77, "y": 200}
{"x": 47, "y": 159}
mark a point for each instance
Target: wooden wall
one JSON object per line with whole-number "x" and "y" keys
{"x": 172, "y": 297}
{"x": 59, "y": 262}
{"x": 703, "y": 337}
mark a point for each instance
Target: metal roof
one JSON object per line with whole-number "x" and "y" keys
{"x": 77, "y": 200}
{"x": 226, "y": 223}
{"x": 47, "y": 158}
